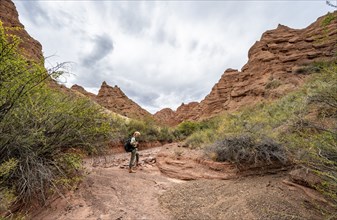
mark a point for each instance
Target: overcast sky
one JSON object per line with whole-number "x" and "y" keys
{"x": 160, "y": 53}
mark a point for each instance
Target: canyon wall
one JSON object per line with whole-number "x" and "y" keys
{"x": 9, "y": 16}
{"x": 277, "y": 64}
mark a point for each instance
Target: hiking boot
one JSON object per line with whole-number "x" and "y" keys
{"x": 131, "y": 171}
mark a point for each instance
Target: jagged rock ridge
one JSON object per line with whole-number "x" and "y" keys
{"x": 169, "y": 117}
{"x": 114, "y": 99}
{"x": 9, "y": 16}
{"x": 275, "y": 67}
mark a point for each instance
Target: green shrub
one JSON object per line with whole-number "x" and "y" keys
{"x": 40, "y": 129}
{"x": 185, "y": 129}
{"x": 149, "y": 130}
{"x": 273, "y": 84}
{"x": 312, "y": 134}
{"x": 200, "y": 138}
{"x": 328, "y": 19}
{"x": 210, "y": 123}
{"x": 323, "y": 91}
{"x": 308, "y": 69}
{"x": 165, "y": 135}
{"x": 71, "y": 164}
{"x": 18, "y": 75}
{"x": 38, "y": 126}
{"x": 7, "y": 196}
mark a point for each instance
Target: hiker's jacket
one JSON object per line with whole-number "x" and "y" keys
{"x": 133, "y": 142}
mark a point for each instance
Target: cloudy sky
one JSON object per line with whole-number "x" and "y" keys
{"x": 160, "y": 53}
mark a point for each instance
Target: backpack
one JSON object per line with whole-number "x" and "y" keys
{"x": 128, "y": 146}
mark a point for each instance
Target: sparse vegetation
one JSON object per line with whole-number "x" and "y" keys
{"x": 308, "y": 69}
{"x": 273, "y": 84}
{"x": 178, "y": 152}
{"x": 199, "y": 138}
{"x": 328, "y": 19}
{"x": 312, "y": 135}
{"x": 300, "y": 127}
{"x": 196, "y": 133}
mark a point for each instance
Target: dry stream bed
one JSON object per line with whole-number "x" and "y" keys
{"x": 169, "y": 184}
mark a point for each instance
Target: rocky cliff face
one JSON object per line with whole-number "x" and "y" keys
{"x": 169, "y": 117}
{"x": 9, "y": 16}
{"x": 275, "y": 67}
{"x": 166, "y": 116}
{"x": 82, "y": 91}
{"x": 114, "y": 99}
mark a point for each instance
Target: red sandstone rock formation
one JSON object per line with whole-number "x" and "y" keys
{"x": 185, "y": 111}
{"x": 9, "y": 16}
{"x": 275, "y": 67}
{"x": 169, "y": 117}
{"x": 114, "y": 99}
{"x": 166, "y": 116}
{"x": 81, "y": 90}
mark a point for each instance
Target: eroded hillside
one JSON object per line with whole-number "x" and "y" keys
{"x": 276, "y": 66}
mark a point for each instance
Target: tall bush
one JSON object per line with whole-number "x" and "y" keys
{"x": 38, "y": 127}
{"x": 18, "y": 75}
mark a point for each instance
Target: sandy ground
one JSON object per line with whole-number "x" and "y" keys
{"x": 109, "y": 192}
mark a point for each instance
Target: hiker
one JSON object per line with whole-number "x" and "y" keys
{"x": 134, "y": 152}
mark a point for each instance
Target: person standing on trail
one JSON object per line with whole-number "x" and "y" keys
{"x": 134, "y": 152}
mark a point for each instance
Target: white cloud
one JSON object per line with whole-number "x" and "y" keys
{"x": 159, "y": 53}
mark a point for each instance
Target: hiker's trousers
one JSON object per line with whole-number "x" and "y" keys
{"x": 134, "y": 155}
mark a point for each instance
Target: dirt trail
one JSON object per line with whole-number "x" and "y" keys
{"x": 110, "y": 192}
